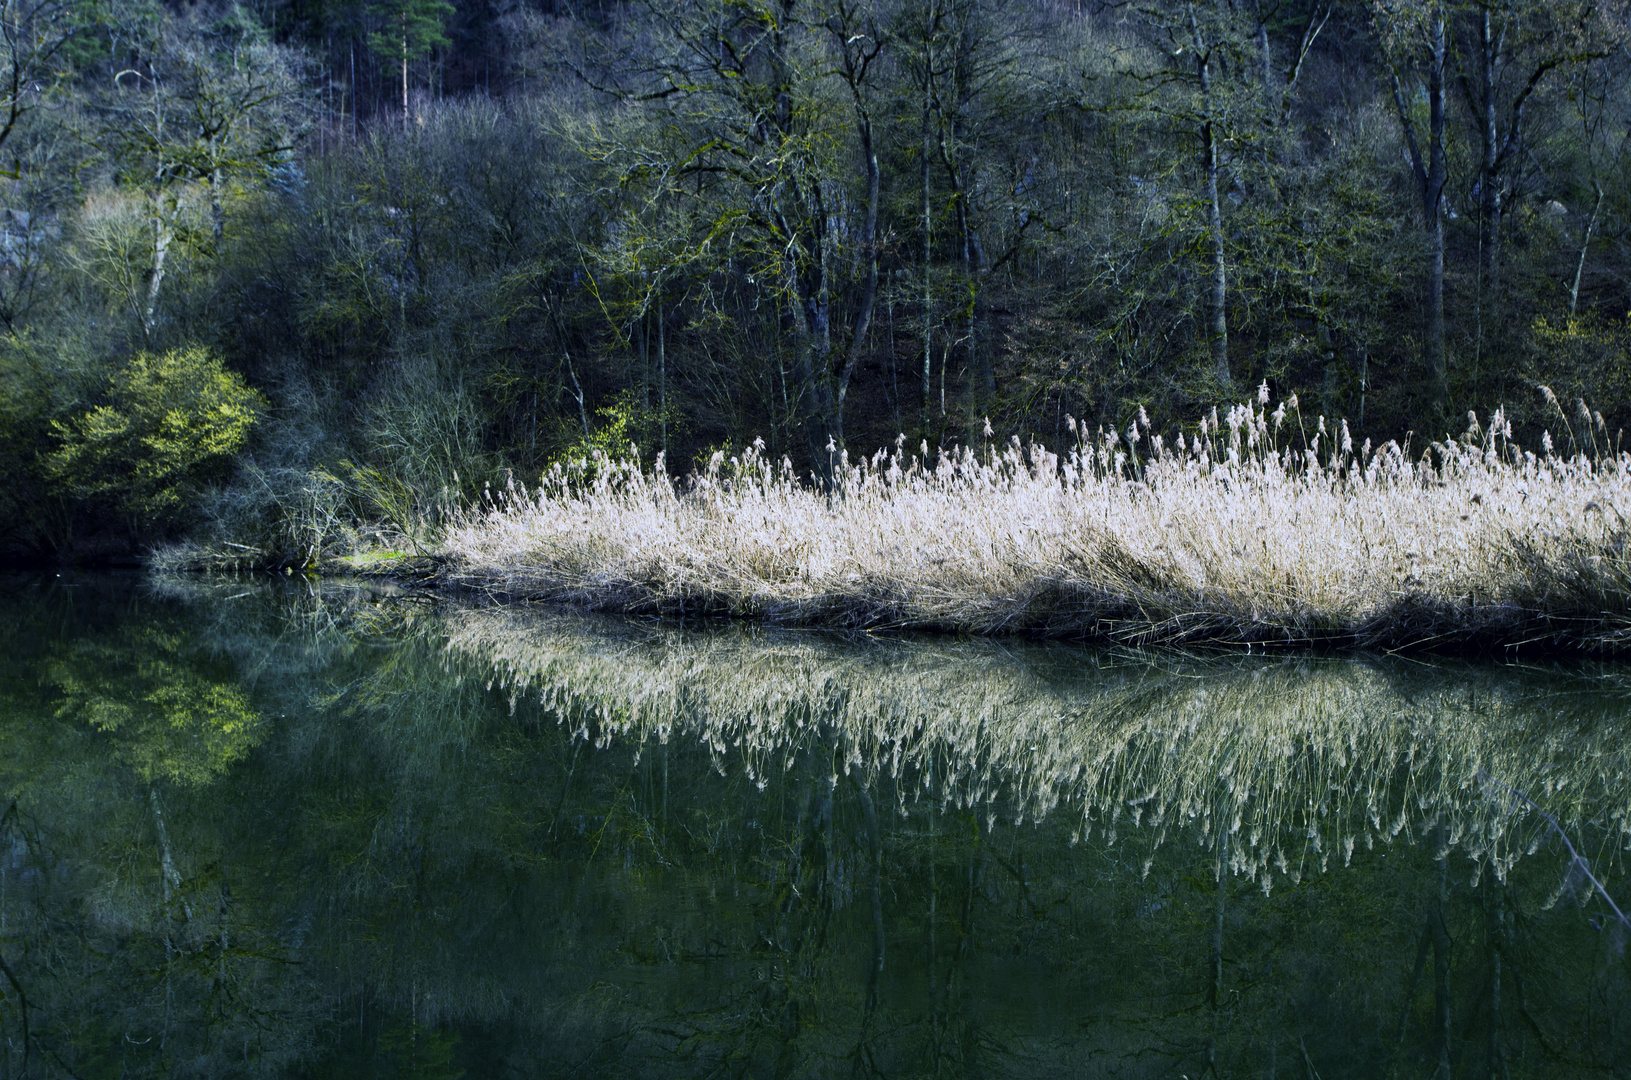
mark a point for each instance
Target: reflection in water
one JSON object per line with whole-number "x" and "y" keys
{"x": 256, "y": 830}
{"x": 1288, "y": 762}
{"x": 168, "y": 722}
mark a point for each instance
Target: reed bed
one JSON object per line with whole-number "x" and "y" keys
{"x": 1253, "y": 530}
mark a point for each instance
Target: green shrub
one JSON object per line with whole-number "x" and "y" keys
{"x": 626, "y": 432}
{"x": 170, "y": 424}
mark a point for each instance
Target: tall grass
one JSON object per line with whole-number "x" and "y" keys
{"x": 1256, "y": 529}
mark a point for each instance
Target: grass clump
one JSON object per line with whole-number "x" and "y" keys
{"x": 1249, "y": 530}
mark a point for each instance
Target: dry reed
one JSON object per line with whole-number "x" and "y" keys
{"x": 1236, "y": 536}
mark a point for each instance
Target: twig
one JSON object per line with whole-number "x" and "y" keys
{"x": 1577, "y": 860}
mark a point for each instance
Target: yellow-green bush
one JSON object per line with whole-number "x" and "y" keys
{"x": 169, "y": 422}
{"x": 627, "y": 431}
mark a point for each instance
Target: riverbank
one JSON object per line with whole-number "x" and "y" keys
{"x": 1232, "y": 540}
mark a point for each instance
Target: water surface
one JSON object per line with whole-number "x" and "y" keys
{"x": 273, "y": 828}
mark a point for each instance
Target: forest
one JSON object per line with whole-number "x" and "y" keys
{"x": 272, "y": 272}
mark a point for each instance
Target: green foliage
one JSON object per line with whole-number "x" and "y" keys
{"x": 874, "y": 220}
{"x": 622, "y": 426}
{"x": 384, "y": 496}
{"x": 614, "y": 437}
{"x": 1584, "y": 358}
{"x": 411, "y": 29}
{"x": 167, "y": 721}
{"x": 43, "y": 378}
{"x": 170, "y": 423}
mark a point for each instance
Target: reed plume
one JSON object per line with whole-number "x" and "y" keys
{"x": 1247, "y": 533}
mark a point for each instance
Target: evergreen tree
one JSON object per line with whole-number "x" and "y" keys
{"x": 412, "y": 28}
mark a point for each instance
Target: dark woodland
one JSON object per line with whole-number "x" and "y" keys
{"x": 272, "y": 267}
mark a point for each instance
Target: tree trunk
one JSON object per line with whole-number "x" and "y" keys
{"x": 217, "y": 209}
{"x": 1432, "y": 206}
{"x": 869, "y": 285}
{"x": 855, "y": 69}
{"x": 1440, "y": 931}
{"x": 1218, "y": 329}
{"x": 1437, "y": 368}
{"x": 1429, "y": 171}
{"x": 973, "y": 258}
{"x": 811, "y": 372}
{"x": 965, "y": 93}
{"x": 1585, "y": 242}
{"x": 164, "y": 213}
{"x": 170, "y": 878}
{"x": 1408, "y": 999}
{"x": 1265, "y": 56}
{"x": 662, "y": 378}
{"x": 874, "y": 845}
{"x": 1214, "y": 993}
{"x": 1218, "y": 323}
{"x": 1497, "y": 921}
{"x": 928, "y": 247}
{"x": 1489, "y": 180}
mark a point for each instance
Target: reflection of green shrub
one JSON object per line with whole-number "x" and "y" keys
{"x": 167, "y": 720}
{"x": 422, "y": 1053}
{"x": 169, "y": 423}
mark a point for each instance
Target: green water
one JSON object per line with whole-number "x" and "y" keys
{"x": 260, "y": 828}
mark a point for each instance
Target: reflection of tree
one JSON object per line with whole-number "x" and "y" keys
{"x": 420, "y": 1054}
{"x": 167, "y": 721}
{"x": 118, "y": 916}
{"x": 427, "y": 868}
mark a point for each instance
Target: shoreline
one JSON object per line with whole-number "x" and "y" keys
{"x": 1229, "y": 541}
{"x": 1416, "y": 625}
{"x": 1062, "y": 611}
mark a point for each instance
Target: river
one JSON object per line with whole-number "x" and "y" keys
{"x": 265, "y": 827}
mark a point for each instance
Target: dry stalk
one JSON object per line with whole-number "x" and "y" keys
{"x": 1232, "y": 538}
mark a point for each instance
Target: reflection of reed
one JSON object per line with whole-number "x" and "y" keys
{"x": 1292, "y": 763}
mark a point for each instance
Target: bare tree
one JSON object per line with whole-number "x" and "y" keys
{"x": 207, "y": 103}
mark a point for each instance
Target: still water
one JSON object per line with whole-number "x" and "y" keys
{"x": 272, "y": 828}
